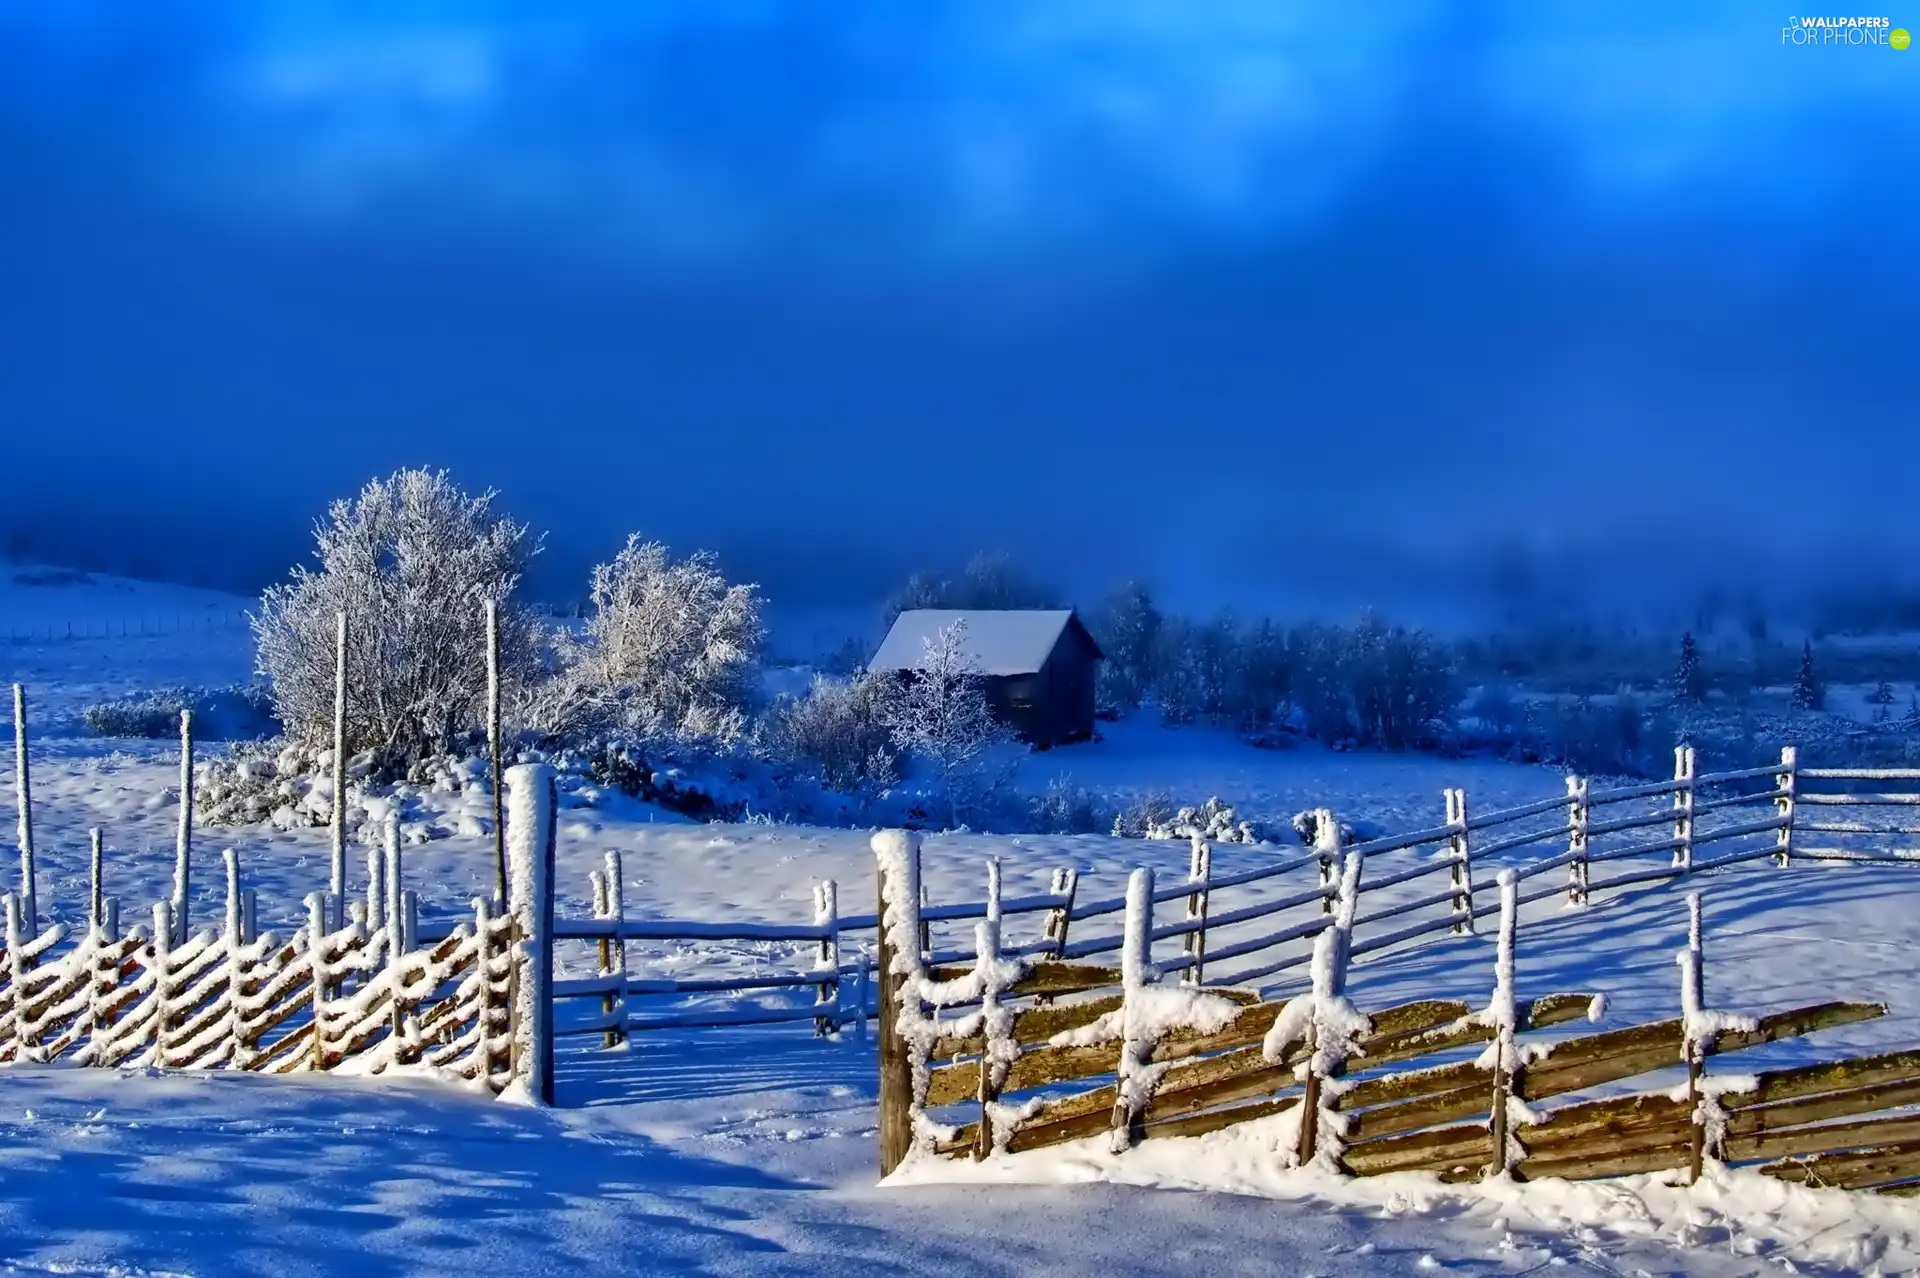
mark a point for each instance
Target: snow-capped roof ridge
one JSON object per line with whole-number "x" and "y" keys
{"x": 1000, "y": 641}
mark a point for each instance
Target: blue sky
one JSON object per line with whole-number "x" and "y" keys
{"x": 1267, "y": 303}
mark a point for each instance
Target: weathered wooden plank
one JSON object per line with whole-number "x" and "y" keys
{"x": 1666, "y": 1156}
{"x": 1617, "y": 1117}
{"x": 1436, "y": 1149}
{"x": 1826, "y": 1138}
{"x": 1034, "y": 1026}
{"x": 1215, "y": 1120}
{"x": 1827, "y": 1076}
{"x": 1854, "y": 1169}
{"x": 1758, "y": 1119}
{"x": 1045, "y": 978}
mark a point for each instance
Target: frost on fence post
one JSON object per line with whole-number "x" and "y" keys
{"x": 493, "y": 753}
{"x": 1503, "y": 1055}
{"x": 1577, "y": 816}
{"x": 1783, "y": 805}
{"x": 1328, "y": 1026}
{"x": 183, "y": 837}
{"x": 1200, "y": 878}
{"x": 337, "y": 882}
{"x": 826, "y": 915}
{"x": 17, "y": 973}
{"x": 1683, "y": 808}
{"x": 905, "y": 1032}
{"x": 530, "y": 836}
{"x": 1132, "y": 1085}
{"x": 96, "y": 868}
{"x": 1461, "y": 874}
{"x": 23, "y": 805}
{"x": 613, "y": 883}
{"x": 1699, "y": 1028}
{"x": 318, "y": 976}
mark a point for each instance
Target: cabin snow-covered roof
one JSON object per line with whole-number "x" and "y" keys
{"x": 997, "y": 642}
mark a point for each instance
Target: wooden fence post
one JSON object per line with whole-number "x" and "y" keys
{"x": 1505, "y": 1017}
{"x": 318, "y": 908}
{"x": 1136, "y": 971}
{"x": 23, "y": 804}
{"x": 1326, "y": 842}
{"x": 614, "y": 878}
{"x": 1683, "y": 808}
{"x": 337, "y": 880}
{"x": 1331, "y": 950}
{"x": 994, "y": 1024}
{"x": 530, "y": 848}
{"x": 493, "y": 755}
{"x": 183, "y": 837}
{"x": 17, "y": 969}
{"x": 96, "y": 868}
{"x": 894, "y": 972}
{"x": 1462, "y": 873}
{"x": 1785, "y": 781}
{"x": 237, "y": 966}
{"x": 1578, "y": 869}
{"x": 826, "y": 914}
{"x": 1199, "y": 878}
{"x": 1066, "y": 882}
{"x": 399, "y": 940}
{"x": 1693, "y": 1000}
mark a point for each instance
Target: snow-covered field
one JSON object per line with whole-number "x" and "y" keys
{"x": 753, "y": 1150}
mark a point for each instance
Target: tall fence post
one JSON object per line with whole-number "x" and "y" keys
{"x": 1578, "y": 870}
{"x": 1683, "y": 809}
{"x": 997, "y": 1049}
{"x": 530, "y": 848}
{"x": 337, "y": 881}
{"x": 1462, "y": 873}
{"x": 183, "y": 837}
{"x": 493, "y": 754}
{"x": 1330, "y": 953}
{"x": 1505, "y": 1016}
{"x": 23, "y": 804}
{"x": 1199, "y": 878}
{"x": 96, "y": 875}
{"x": 1328, "y": 849}
{"x": 318, "y": 909}
{"x": 1065, "y": 883}
{"x": 1785, "y": 782}
{"x": 616, "y": 1003}
{"x": 898, "y": 855}
{"x": 1132, "y": 1087}
{"x": 1693, "y": 1002}
{"x": 826, "y": 914}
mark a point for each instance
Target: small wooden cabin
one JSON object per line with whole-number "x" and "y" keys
{"x": 1039, "y": 665}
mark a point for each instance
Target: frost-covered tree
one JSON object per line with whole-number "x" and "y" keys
{"x": 670, "y": 651}
{"x": 1808, "y": 692}
{"x": 1689, "y": 681}
{"x": 412, "y": 561}
{"x": 939, "y": 713}
{"x": 839, "y": 731}
{"x": 989, "y": 581}
{"x": 1128, "y": 629}
{"x": 1881, "y": 698}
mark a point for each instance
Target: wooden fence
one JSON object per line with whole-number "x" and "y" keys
{"x": 984, "y": 1058}
{"x": 361, "y": 985}
{"x": 1256, "y": 924}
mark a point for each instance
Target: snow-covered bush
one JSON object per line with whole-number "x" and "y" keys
{"x": 235, "y": 712}
{"x": 1213, "y": 820}
{"x": 1142, "y": 813}
{"x": 411, "y": 561}
{"x": 1065, "y": 808}
{"x": 939, "y": 714}
{"x": 838, "y": 730}
{"x": 670, "y": 653}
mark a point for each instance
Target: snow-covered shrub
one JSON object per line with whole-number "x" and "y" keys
{"x": 235, "y": 712}
{"x": 939, "y": 714}
{"x": 839, "y": 730}
{"x": 670, "y": 652}
{"x": 1065, "y": 808}
{"x": 1142, "y": 813}
{"x": 411, "y": 561}
{"x": 1213, "y": 820}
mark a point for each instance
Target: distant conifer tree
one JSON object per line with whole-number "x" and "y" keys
{"x": 1808, "y": 692}
{"x": 1689, "y": 682}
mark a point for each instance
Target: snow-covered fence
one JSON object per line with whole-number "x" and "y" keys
{"x": 982, "y": 1059}
{"x": 370, "y": 994}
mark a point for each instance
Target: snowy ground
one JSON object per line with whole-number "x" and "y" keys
{"x": 752, "y": 1150}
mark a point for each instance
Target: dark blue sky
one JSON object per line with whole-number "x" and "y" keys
{"x": 1263, "y": 302}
